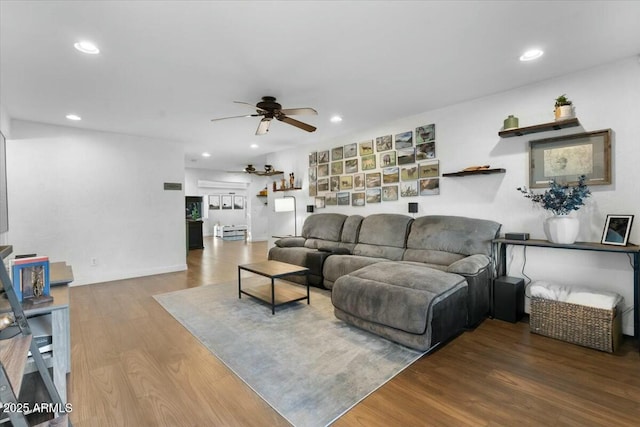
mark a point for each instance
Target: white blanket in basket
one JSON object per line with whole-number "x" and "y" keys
{"x": 575, "y": 295}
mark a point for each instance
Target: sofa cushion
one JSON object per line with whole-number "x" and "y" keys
{"x": 324, "y": 226}
{"x": 351, "y": 229}
{"x": 385, "y": 230}
{"x": 338, "y": 265}
{"x": 452, "y": 234}
{"x": 398, "y": 295}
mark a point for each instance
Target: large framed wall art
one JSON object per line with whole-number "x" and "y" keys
{"x": 565, "y": 158}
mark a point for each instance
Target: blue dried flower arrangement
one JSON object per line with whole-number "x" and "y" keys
{"x": 560, "y": 199}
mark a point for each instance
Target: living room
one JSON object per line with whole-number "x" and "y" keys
{"x": 96, "y": 194}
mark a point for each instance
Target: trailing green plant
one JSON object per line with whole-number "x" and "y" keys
{"x": 562, "y": 100}
{"x": 560, "y": 199}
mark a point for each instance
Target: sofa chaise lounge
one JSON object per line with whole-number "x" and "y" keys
{"x": 418, "y": 282}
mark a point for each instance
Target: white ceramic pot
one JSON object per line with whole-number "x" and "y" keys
{"x": 564, "y": 112}
{"x": 561, "y": 229}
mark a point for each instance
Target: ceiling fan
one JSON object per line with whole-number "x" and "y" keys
{"x": 268, "y": 171}
{"x": 269, "y": 109}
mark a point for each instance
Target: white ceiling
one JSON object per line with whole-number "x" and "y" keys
{"x": 167, "y": 67}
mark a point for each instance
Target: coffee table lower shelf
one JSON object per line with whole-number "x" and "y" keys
{"x": 281, "y": 295}
{"x": 271, "y": 294}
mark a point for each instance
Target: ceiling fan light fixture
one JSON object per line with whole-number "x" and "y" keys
{"x": 73, "y": 117}
{"x": 531, "y": 54}
{"x": 335, "y": 119}
{"x": 87, "y": 47}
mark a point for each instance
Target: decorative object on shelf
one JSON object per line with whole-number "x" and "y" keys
{"x": 263, "y": 192}
{"x": 283, "y": 184}
{"x": 510, "y": 122}
{"x": 6, "y": 320}
{"x": 565, "y": 158}
{"x": 616, "y": 230}
{"x": 563, "y": 108}
{"x": 292, "y": 180}
{"x": 560, "y": 200}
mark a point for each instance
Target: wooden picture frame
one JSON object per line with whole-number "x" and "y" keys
{"x": 565, "y": 158}
{"x": 616, "y": 230}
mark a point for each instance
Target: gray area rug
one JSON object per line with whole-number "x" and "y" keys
{"x": 308, "y": 365}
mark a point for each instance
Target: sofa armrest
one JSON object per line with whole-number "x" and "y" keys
{"x": 290, "y": 242}
{"x": 470, "y": 265}
{"x": 336, "y": 251}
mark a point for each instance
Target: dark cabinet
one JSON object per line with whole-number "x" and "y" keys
{"x": 194, "y": 234}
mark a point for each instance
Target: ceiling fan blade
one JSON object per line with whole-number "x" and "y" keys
{"x": 235, "y": 117}
{"x": 296, "y": 123}
{"x": 263, "y": 126}
{"x": 299, "y": 112}
{"x": 251, "y": 106}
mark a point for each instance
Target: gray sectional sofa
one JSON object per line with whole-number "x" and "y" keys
{"x": 417, "y": 281}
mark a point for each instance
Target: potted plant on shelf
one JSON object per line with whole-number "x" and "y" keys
{"x": 564, "y": 108}
{"x": 561, "y": 200}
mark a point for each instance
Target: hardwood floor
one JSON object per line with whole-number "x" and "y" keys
{"x": 134, "y": 365}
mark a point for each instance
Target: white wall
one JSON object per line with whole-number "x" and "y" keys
{"x": 219, "y": 183}
{"x": 467, "y": 134}
{"x": 5, "y": 128}
{"x": 75, "y": 195}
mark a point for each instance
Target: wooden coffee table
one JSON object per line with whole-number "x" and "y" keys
{"x": 281, "y": 295}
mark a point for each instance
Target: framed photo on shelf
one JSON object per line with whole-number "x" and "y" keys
{"x": 616, "y": 230}
{"x": 30, "y": 277}
{"x": 565, "y": 158}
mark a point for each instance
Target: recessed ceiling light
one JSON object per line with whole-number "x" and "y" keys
{"x": 206, "y": 154}
{"x": 336, "y": 119}
{"x": 87, "y": 47}
{"x": 254, "y": 146}
{"x": 531, "y": 54}
{"x": 73, "y": 117}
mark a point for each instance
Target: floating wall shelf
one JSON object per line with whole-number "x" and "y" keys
{"x": 539, "y": 128}
{"x": 289, "y": 189}
{"x": 476, "y": 172}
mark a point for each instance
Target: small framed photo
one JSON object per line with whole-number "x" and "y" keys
{"x": 350, "y": 150}
{"x": 226, "y": 202}
{"x": 616, "y": 230}
{"x": 30, "y": 278}
{"x": 337, "y": 153}
{"x": 214, "y": 201}
{"x": 323, "y": 156}
{"x": 238, "y": 202}
{"x": 319, "y": 202}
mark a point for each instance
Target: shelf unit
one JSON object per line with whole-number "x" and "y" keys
{"x": 544, "y": 127}
{"x": 476, "y": 172}
{"x": 289, "y": 189}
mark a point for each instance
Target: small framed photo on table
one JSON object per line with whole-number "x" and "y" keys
{"x": 616, "y": 230}
{"x": 30, "y": 278}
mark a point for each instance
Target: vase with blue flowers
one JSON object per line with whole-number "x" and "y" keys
{"x": 561, "y": 200}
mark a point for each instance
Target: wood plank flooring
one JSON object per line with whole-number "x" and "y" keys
{"x": 134, "y": 365}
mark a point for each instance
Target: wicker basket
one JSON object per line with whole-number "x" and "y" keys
{"x": 578, "y": 324}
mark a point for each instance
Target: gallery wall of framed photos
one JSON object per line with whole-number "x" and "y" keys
{"x": 383, "y": 169}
